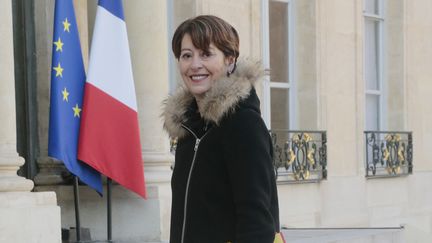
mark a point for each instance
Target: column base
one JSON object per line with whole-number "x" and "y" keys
{"x": 29, "y": 217}
{"x": 134, "y": 220}
{"x": 157, "y": 167}
{"x": 52, "y": 172}
{"x": 9, "y": 180}
{"x": 15, "y": 184}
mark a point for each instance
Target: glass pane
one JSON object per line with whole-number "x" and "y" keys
{"x": 371, "y": 54}
{"x": 371, "y": 6}
{"x": 279, "y": 108}
{"x": 278, "y": 21}
{"x": 372, "y": 112}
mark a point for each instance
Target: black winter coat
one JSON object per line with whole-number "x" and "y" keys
{"x": 223, "y": 183}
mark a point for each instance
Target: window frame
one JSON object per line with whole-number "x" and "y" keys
{"x": 380, "y": 92}
{"x": 268, "y": 84}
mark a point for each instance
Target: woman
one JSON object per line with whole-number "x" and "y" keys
{"x": 223, "y": 183}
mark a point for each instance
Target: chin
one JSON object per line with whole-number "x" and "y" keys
{"x": 198, "y": 93}
{"x": 198, "y": 90}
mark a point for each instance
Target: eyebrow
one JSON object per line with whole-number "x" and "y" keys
{"x": 185, "y": 49}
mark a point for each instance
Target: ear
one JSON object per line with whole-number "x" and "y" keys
{"x": 229, "y": 60}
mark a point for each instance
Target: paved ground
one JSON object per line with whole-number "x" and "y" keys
{"x": 342, "y": 235}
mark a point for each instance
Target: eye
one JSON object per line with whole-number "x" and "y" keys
{"x": 185, "y": 56}
{"x": 206, "y": 54}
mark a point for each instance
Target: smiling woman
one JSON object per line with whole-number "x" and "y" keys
{"x": 223, "y": 183}
{"x": 204, "y": 60}
{"x": 199, "y": 69}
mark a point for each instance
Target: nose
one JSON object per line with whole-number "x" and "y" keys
{"x": 196, "y": 62}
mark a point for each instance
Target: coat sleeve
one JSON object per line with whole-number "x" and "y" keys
{"x": 249, "y": 162}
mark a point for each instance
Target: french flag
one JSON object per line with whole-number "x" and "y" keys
{"x": 109, "y": 138}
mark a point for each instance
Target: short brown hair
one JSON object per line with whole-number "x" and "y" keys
{"x": 206, "y": 29}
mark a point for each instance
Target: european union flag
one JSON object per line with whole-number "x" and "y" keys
{"x": 67, "y": 89}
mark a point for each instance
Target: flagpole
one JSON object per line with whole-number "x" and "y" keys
{"x": 77, "y": 213}
{"x": 109, "y": 223}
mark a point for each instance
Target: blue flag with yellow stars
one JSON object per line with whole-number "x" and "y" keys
{"x": 67, "y": 89}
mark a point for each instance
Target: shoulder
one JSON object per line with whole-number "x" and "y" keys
{"x": 246, "y": 123}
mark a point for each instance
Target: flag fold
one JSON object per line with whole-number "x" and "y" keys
{"x": 67, "y": 85}
{"x": 109, "y": 136}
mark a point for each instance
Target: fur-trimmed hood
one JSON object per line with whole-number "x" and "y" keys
{"x": 220, "y": 100}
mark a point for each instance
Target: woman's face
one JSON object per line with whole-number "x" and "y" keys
{"x": 199, "y": 69}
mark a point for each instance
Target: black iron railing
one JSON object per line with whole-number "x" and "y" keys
{"x": 388, "y": 153}
{"x": 299, "y": 156}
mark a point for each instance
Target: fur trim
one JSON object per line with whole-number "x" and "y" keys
{"x": 220, "y": 100}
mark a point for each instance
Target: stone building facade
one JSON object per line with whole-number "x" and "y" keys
{"x": 347, "y": 101}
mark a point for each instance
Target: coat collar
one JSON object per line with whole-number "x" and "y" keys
{"x": 220, "y": 100}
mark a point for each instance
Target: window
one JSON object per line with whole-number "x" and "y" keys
{"x": 373, "y": 64}
{"x": 279, "y": 93}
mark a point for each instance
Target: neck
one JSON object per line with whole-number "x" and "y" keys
{"x": 199, "y": 100}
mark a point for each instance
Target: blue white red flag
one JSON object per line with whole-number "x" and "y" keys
{"x": 67, "y": 89}
{"x": 109, "y": 137}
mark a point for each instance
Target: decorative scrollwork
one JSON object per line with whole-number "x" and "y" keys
{"x": 303, "y": 157}
{"x": 388, "y": 153}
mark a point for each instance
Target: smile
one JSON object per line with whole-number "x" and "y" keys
{"x": 198, "y": 77}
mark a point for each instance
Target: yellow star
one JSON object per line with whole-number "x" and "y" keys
{"x": 59, "y": 45}
{"x": 76, "y": 110}
{"x": 59, "y": 70}
{"x": 65, "y": 94}
{"x": 66, "y": 25}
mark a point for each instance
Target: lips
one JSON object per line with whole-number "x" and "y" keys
{"x": 197, "y": 78}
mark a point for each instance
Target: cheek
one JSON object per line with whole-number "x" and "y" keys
{"x": 221, "y": 70}
{"x": 183, "y": 70}
{"x": 181, "y": 67}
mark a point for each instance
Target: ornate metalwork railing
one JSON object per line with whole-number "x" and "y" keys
{"x": 388, "y": 154}
{"x": 299, "y": 156}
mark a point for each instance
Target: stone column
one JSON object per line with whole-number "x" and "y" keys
{"x": 148, "y": 39}
{"x": 9, "y": 159}
{"x": 52, "y": 171}
{"x": 20, "y": 209}
{"x": 150, "y": 69}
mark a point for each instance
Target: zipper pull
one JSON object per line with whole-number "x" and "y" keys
{"x": 197, "y": 141}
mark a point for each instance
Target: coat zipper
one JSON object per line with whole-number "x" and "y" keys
{"x": 197, "y": 142}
